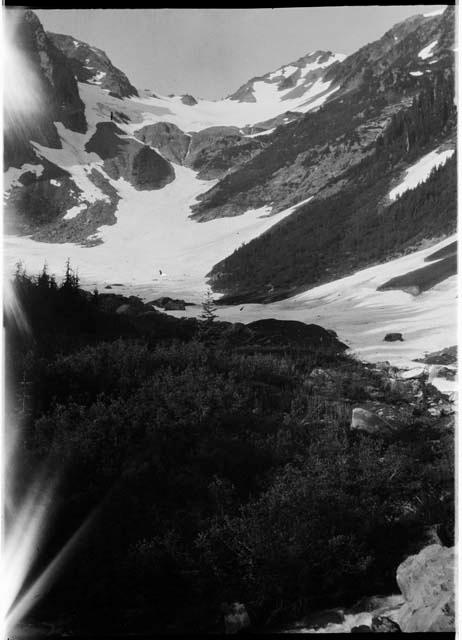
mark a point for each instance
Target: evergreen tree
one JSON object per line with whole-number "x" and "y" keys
{"x": 208, "y": 308}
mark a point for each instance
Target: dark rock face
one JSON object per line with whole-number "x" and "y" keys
{"x": 170, "y": 141}
{"x": 188, "y": 100}
{"x": 216, "y": 151}
{"x": 212, "y": 152}
{"x": 39, "y": 201}
{"x": 393, "y": 337}
{"x": 56, "y": 90}
{"x": 362, "y": 628}
{"x": 125, "y": 158}
{"x": 83, "y": 227}
{"x": 92, "y": 66}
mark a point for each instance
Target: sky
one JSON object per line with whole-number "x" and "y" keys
{"x": 209, "y": 53}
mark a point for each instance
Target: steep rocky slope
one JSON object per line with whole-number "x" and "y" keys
{"x": 40, "y": 90}
{"x": 92, "y": 65}
{"x": 373, "y": 84}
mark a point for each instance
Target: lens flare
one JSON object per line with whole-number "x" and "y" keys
{"x": 25, "y": 522}
{"x": 21, "y": 88}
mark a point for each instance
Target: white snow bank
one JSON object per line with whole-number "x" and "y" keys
{"x": 11, "y": 177}
{"x": 74, "y": 211}
{"x": 416, "y": 73}
{"x": 438, "y": 12}
{"x": 261, "y": 133}
{"x": 362, "y": 316}
{"x": 427, "y": 51}
{"x": 420, "y": 171}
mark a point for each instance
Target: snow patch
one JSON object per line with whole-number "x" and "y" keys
{"x": 74, "y": 159}
{"x": 74, "y": 211}
{"x": 55, "y": 183}
{"x": 420, "y": 171}
{"x": 98, "y": 77}
{"x": 153, "y": 231}
{"x": 416, "y": 73}
{"x": 261, "y": 133}
{"x": 427, "y": 51}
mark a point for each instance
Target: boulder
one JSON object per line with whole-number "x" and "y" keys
{"x": 169, "y": 304}
{"x": 382, "y": 366}
{"x": 188, "y": 100}
{"x": 426, "y": 581}
{"x": 382, "y": 624}
{"x": 125, "y": 310}
{"x": 393, "y": 337}
{"x": 416, "y": 373}
{"x": 362, "y": 628}
{"x": 236, "y": 617}
{"x": 369, "y": 422}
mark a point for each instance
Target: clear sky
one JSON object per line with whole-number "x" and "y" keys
{"x": 211, "y": 52}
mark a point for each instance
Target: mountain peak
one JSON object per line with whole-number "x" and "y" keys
{"x": 295, "y": 75}
{"x": 93, "y": 66}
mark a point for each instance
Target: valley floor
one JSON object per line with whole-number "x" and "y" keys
{"x": 352, "y": 306}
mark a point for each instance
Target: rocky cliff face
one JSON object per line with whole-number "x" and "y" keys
{"x": 127, "y": 158}
{"x": 213, "y": 152}
{"x": 216, "y": 151}
{"x": 92, "y": 65}
{"x": 426, "y": 581}
{"x": 167, "y": 138}
{"x": 55, "y": 89}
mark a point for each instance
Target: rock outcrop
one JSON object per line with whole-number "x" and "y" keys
{"x": 216, "y": 151}
{"x": 426, "y": 581}
{"x": 188, "y": 100}
{"x": 91, "y": 65}
{"x": 394, "y": 337}
{"x": 126, "y": 158}
{"x": 370, "y": 423}
{"x": 169, "y": 140}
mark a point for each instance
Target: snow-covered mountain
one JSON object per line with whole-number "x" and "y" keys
{"x": 126, "y": 182}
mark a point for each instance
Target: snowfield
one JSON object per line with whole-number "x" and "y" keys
{"x": 362, "y": 316}
{"x": 153, "y": 232}
{"x": 420, "y": 171}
